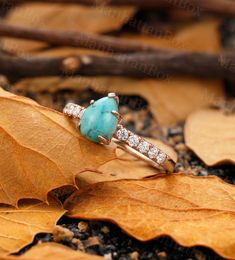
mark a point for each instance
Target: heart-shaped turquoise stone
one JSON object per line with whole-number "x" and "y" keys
{"x": 98, "y": 119}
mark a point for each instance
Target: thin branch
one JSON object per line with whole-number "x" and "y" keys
{"x": 225, "y": 7}
{"x": 161, "y": 65}
{"x": 75, "y": 39}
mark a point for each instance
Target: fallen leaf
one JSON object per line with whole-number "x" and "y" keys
{"x": 51, "y": 251}
{"x": 41, "y": 150}
{"x": 191, "y": 210}
{"x": 19, "y": 226}
{"x": 64, "y": 17}
{"x": 124, "y": 167}
{"x": 186, "y": 37}
{"x": 210, "y": 134}
{"x": 170, "y": 100}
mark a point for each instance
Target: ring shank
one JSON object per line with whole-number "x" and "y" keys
{"x": 167, "y": 166}
{"x": 135, "y": 153}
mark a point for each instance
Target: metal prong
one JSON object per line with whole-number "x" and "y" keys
{"x": 78, "y": 125}
{"x": 113, "y": 95}
{"x": 119, "y": 126}
{"x": 103, "y": 140}
{"x": 118, "y": 116}
{"x": 92, "y": 102}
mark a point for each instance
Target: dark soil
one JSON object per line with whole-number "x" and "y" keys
{"x": 114, "y": 244}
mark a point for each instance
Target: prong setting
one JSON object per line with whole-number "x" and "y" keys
{"x": 129, "y": 141}
{"x": 104, "y": 140}
{"x": 117, "y": 115}
{"x": 92, "y": 102}
{"x": 113, "y": 95}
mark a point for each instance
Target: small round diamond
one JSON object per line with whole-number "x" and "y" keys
{"x": 76, "y": 111}
{"x": 153, "y": 152}
{"x": 133, "y": 140}
{"x": 69, "y": 109}
{"x": 161, "y": 157}
{"x": 122, "y": 134}
{"x": 143, "y": 147}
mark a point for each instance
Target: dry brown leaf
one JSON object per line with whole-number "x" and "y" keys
{"x": 170, "y": 100}
{"x": 125, "y": 167}
{"x": 211, "y": 135}
{"x": 19, "y": 226}
{"x": 191, "y": 210}
{"x": 187, "y": 37}
{"x": 40, "y": 150}
{"x": 52, "y": 251}
{"x": 97, "y": 19}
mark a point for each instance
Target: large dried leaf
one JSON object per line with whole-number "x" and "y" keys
{"x": 170, "y": 100}
{"x": 125, "y": 167}
{"x": 40, "y": 150}
{"x": 186, "y": 37}
{"x": 64, "y": 17}
{"x": 191, "y": 210}
{"x": 19, "y": 226}
{"x": 211, "y": 135}
{"x": 52, "y": 251}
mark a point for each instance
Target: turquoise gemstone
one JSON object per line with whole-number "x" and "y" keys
{"x": 98, "y": 119}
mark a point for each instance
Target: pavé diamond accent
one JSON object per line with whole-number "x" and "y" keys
{"x": 161, "y": 157}
{"x": 143, "y": 147}
{"x": 73, "y": 110}
{"x": 76, "y": 111}
{"x": 69, "y": 109}
{"x": 153, "y": 152}
{"x": 122, "y": 134}
{"x": 133, "y": 140}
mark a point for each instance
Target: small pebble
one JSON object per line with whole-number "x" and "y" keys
{"x": 60, "y": 233}
{"x": 83, "y": 226}
{"x": 181, "y": 147}
{"x": 93, "y": 241}
{"x": 134, "y": 255}
{"x": 203, "y": 173}
{"x": 105, "y": 229}
{"x": 177, "y": 139}
{"x": 108, "y": 256}
{"x": 162, "y": 255}
{"x": 199, "y": 255}
{"x": 79, "y": 244}
{"x": 174, "y": 131}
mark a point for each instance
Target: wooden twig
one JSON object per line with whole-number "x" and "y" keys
{"x": 158, "y": 63}
{"x": 75, "y": 39}
{"x": 161, "y": 65}
{"x": 225, "y": 7}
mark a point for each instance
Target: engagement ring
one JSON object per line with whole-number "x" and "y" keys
{"x": 101, "y": 123}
